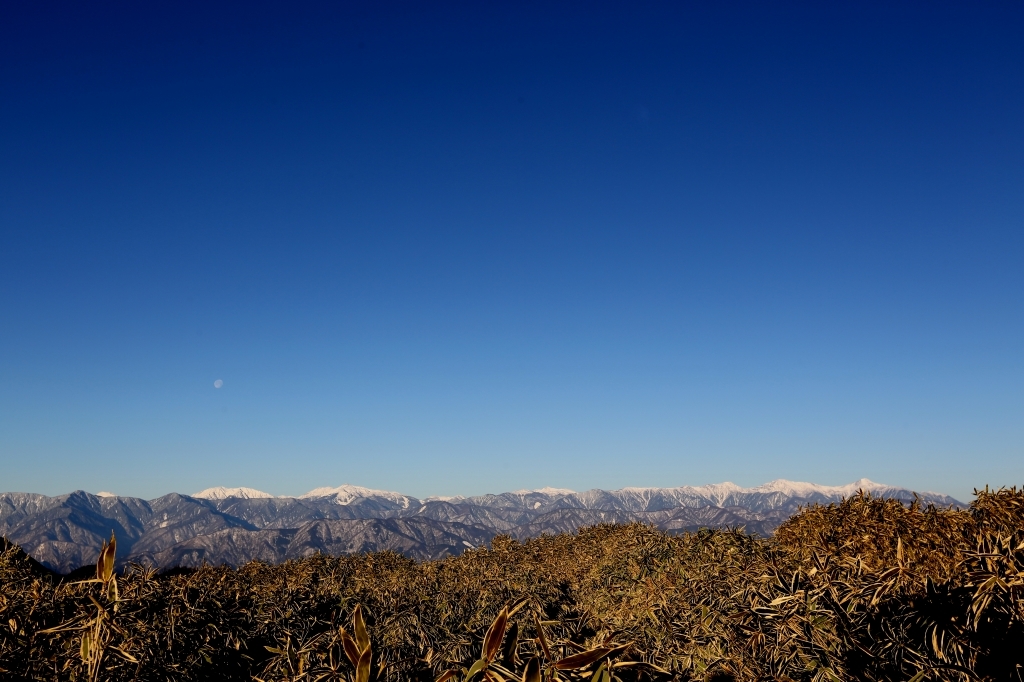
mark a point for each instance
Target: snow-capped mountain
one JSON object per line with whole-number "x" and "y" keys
{"x": 353, "y": 494}
{"x": 545, "y": 491}
{"x": 222, "y": 493}
{"x": 796, "y": 489}
{"x": 778, "y": 494}
{"x": 235, "y": 525}
{"x": 520, "y": 499}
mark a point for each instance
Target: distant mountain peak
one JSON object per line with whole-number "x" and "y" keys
{"x": 345, "y": 494}
{"x": 548, "y": 490}
{"x": 800, "y": 489}
{"x": 222, "y": 493}
{"x": 236, "y": 525}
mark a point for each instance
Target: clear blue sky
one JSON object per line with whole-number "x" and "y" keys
{"x": 483, "y": 246}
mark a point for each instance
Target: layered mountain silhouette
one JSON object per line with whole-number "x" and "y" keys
{"x": 237, "y": 525}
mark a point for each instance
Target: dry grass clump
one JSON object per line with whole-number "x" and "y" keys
{"x": 866, "y": 589}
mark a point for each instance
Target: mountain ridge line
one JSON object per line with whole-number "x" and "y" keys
{"x": 237, "y": 525}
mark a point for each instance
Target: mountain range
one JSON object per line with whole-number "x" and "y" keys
{"x": 236, "y": 525}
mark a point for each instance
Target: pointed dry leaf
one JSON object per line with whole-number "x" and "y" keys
{"x": 363, "y": 668}
{"x": 350, "y": 647}
{"x": 495, "y": 634}
{"x": 543, "y": 639}
{"x": 582, "y": 659}
{"x": 532, "y": 671}
{"x": 359, "y": 625}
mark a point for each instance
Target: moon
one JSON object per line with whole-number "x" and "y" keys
{"x": 218, "y": 383}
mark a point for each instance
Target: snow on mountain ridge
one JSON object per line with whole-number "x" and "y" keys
{"x": 548, "y": 490}
{"x": 781, "y": 485}
{"x": 773, "y": 495}
{"x": 799, "y": 489}
{"x": 222, "y": 493}
{"x": 632, "y": 498}
{"x": 652, "y": 499}
{"x": 346, "y": 494}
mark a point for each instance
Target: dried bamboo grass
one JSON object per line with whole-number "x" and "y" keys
{"x": 866, "y": 589}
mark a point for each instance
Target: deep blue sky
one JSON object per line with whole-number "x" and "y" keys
{"x": 478, "y": 247}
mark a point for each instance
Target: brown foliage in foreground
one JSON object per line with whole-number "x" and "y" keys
{"x": 867, "y": 589}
